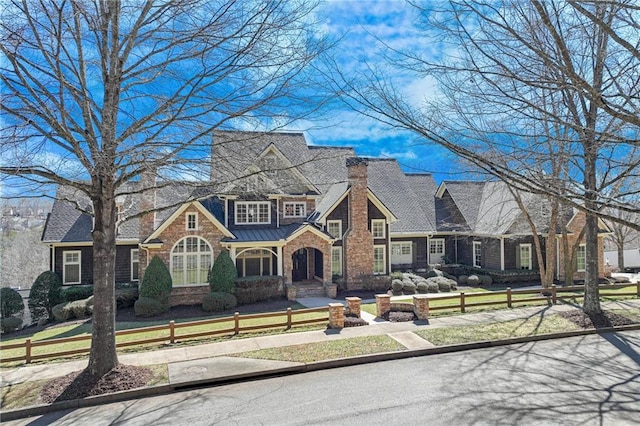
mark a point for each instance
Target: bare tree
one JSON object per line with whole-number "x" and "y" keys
{"x": 97, "y": 92}
{"x": 506, "y": 65}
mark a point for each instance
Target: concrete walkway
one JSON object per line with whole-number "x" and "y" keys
{"x": 215, "y": 354}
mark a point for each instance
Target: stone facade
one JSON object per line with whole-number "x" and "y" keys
{"x": 575, "y": 226}
{"x": 169, "y": 237}
{"x": 358, "y": 241}
{"x": 307, "y": 240}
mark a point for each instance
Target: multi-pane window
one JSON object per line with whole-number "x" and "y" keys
{"x": 477, "y": 254}
{"x": 253, "y": 212}
{"x": 336, "y": 261}
{"x": 191, "y": 221}
{"x": 334, "y": 228}
{"x": 254, "y": 263}
{"x": 379, "y": 260}
{"x": 135, "y": 264}
{"x": 581, "y": 258}
{"x": 377, "y": 228}
{"x": 401, "y": 253}
{"x": 292, "y": 209}
{"x": 524, "y": 254}
{"x": 71, "y": 266}
{"x": 191, "y": 260}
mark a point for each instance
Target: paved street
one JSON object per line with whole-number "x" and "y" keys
{"x": 588, "y": 380}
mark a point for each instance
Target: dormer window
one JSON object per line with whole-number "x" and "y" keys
{"x": 191, "y": 221}
{"x": 292, "y": 209}
{"x": 251, "y": 212}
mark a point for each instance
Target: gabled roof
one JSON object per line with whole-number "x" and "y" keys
{"x": 467, "y": 196}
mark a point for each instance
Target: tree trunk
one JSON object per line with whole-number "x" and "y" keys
{"x": 103, "y": 356}
{"x": 591, "y": 289}
{"x": 620, "y": 245}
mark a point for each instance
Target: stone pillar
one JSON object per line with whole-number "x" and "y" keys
{"x": 421, "y": 306}
{"x": 383, "y": 304}
{"x": 331, "y": 290}
{"x": 336, "y": 315}
{"x": 292, "y": 292}
{"x": 358, "y": 241}
{"x": 353, "y": 303}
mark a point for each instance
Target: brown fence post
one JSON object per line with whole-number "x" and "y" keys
{"x": 236, "y": 319}
{"x": 638, "y": 288}
{"x": 462, "y": 307}
{"x": 554, "y": 297}
{"x": 508, "y": 297}
{"x": 172, "y": 332}
{"x": 289, "y": 321}
{"x": 27, "y": 347}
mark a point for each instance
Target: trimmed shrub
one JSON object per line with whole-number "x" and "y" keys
{"x": 422, "y": 287}
{"x": 462, "y": 279}
{"x": 45, "y": 293}
{"x": 218, "y": 301}
{"x": 223, "y": 274}
{"x": 396, "y": 286}
{"x": 11, "y": 303}
{"x": 432, "y": 287}
{"x": 486, "y": 279}
{"x": 157, "y": 283}
{"x": 126, "y": 297}
{"x": 79, "y": 292}
{"x": 79, "y": 309}
{"x": 408, "y": 287}
{"x": 10, "y": 324}
{"x": 434, "y": 273}
{"x": 396, "y": 276}
{"x": 444, "y": 284}
{"x": 258, "y": 289}
{"x": 473, "y": 280}
{"x": 148, "y": 307}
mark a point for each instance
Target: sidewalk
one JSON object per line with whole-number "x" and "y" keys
{"x": 240, "y": 367}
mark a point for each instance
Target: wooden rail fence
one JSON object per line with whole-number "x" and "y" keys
{"x": 172, "y": 334}
{"x": 550, "y": 295}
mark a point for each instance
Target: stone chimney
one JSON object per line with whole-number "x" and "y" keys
{"x": 358, "y": 240}
{"x": 147, "y": 202}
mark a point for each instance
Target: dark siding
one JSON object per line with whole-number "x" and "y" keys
{"x": 448, "y": 216}
{"x": 374, "y": 213}
{"x": 123, "y": 263}
{"x": 86, "y": 263}
{"x": 341, "y": 212}
{"x": 419, "y": 253}
{"x": 491, "y": 253}
{"x": 511, "y": 250}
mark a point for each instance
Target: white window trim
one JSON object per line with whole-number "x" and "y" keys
{"x": 186, "y": 221}
{"x": 402, "y": 244}
{"x": 258, "y": 204}
{"x": 337, "y": 249}
{"x": 184, "y": 264}
{"x": 264, "y": 256}
{"x": 65, "y": 263}
{"x": 132, "y": 262}
{"x": 520, "y": 246}
{"x": 581, "y": 247}
{"x": 384, "y": 232}
{"x": 432, "y": 242}
{"x": 294, "y": 204}
{"x": 477, "y": 247}
{"x": 384, "y": 259}
{"x": 339, "y": 222}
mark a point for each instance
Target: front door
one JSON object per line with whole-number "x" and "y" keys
{"x": 436, "y": 250}
{"x": 299, "y": 272}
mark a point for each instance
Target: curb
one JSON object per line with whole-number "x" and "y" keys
{"x": 38, "y": 410}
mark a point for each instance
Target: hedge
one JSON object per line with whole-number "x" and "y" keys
{"x": 258, "y": 289}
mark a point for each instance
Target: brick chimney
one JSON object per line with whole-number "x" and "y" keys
{"x": 147, "y": 202}
{"x": 358, "y": 240}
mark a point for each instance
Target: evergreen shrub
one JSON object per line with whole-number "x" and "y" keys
{"x": 218, "y": 301}
{"x": 11, "y": 303}
{"x": 223, "y": 274}
{"x": 157, "y": 283}
{"x": 45, "y": 293}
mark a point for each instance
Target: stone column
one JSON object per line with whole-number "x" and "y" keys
{"x": 353, "y": 304}
{"x": 383, "y": 304}
{"x": 336, "y": 315}
{"x": 421, "y": 306}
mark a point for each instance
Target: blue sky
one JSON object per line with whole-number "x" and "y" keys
{"x": 362, "y": 25}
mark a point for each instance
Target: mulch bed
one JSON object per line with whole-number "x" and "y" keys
{"x": 81, "y": 384}
{"x": 604, "y": 320}
{"x": 398, "y": 316}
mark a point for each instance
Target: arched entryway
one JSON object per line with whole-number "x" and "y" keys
{"x": 307, "y": 264}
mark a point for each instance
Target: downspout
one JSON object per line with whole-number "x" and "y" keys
{"x": 502, "y": 253}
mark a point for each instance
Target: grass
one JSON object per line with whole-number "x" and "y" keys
{"x": 327, "y": 350}
{"x": 27, "y": 394}
{"x": 84, "y": 329}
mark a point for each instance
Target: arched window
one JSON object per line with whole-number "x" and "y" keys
{"x": 191, "y": 260}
